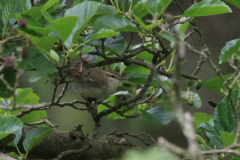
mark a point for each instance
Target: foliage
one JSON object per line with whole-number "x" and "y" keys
{"x": 46, "y": 37}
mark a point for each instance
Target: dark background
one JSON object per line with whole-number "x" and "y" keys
{"x": 216, "y": 31}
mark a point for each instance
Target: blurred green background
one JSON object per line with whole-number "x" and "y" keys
{"x": 216, "y": 31}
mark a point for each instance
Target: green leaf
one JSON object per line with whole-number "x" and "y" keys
{"x": 6, "y": 51}
{"x": 26, "y": 96}
{"x": 30, "y": 21}
{"x": 63, "y": 26}
{"x": 45, "y": 43}
{"x": 26, "y": 64}
{"x": 116, "y": 44}
{"x": 236, "y": 3}
{"x": 17, "y": 138}
{"x": 154, "y": 153}
{"x": 34, "y": 12}
{"x": 7, "y": 10}
{"x": 230, "y": 49}
{"x": 207, "y": 8}
{"x": 153, "y": 7}
{"x": 207, "y": 127}
{"x": 9, "y": 76}
{"x": 144, "y": 26}
{"x": 146, "y": 56}
{"x": 161, "y": 115}
{"x": 227, "y": 138}
{"x": 216, "y": 84}
{"x": 55, "y": 8}
{"x": 9, "y": 125}
{"x": 35, "y": 136}
{"x": 13, "y": 154}
{"x": 26, "y": 4}
{"x": 86, "y": 50}
{"x": 112, "y": 100}
{"x": 49, "y": 4}
{"x": 136, "y": 68}
{"x": 196, "y": 99}
{"x": 34, "y": 116}
{"x": 202, "y": 141}
{"x": 54, "y": 55}
{"x": 85, "y": 12}
{"x": 223, "y": 114}
{"x": 140, "y": 78}
{"x": 115, "y": 22}
{"x": 35, "y": 78}
{"x": 19, "y": 7}
{"x": 38, "y": 61}
{"x": 104, "y": 33}
{"x": 200, "y": 117}
{"x": 43, "y": 66}
{"x": 42, "y": 30}
{"x": 215, "y": 142}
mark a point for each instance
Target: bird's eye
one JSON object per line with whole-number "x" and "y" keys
{"x": 113, "y": 76}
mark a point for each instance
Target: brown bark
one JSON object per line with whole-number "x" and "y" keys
{"x": 75, "y": 145}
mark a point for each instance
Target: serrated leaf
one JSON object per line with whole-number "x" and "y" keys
{"x": 207, "y": 8}
{"x": 26, "y": 4}
{"x": 159, "y": 115}
{"x": 206, "y": 127}
{"x": 223, "y": 114}
{"x": 45, "y": 43}
{"x": 26, "y": 96}
{"x": 115, "y": 22}
{"x": 202, "y": 141}
{"x": 34, "y": 12}
{"x": 227, "y": 138}
{"x": 215, "y": 142}
{"x": 153, "y": 7}
{"x": 62, "y": 26}
{"x": 236, "y": 3}
{"x": 216, "y": 84}
{"x": 7, "y": 10}
{"x": 35, "y": 136}
{"x": 9, "y": 125}
{"x": 85, "y": 12}
{"x": 34, "y": 116}
{"x": 19, "y": 7}
{"x": 231, "y": 48}
{"x": 104, "y": 33}
{"x": 200, "y": 117}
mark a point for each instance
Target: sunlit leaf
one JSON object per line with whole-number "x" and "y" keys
{"x": 207, "y": 8}
{"x": 35, "y": 136}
